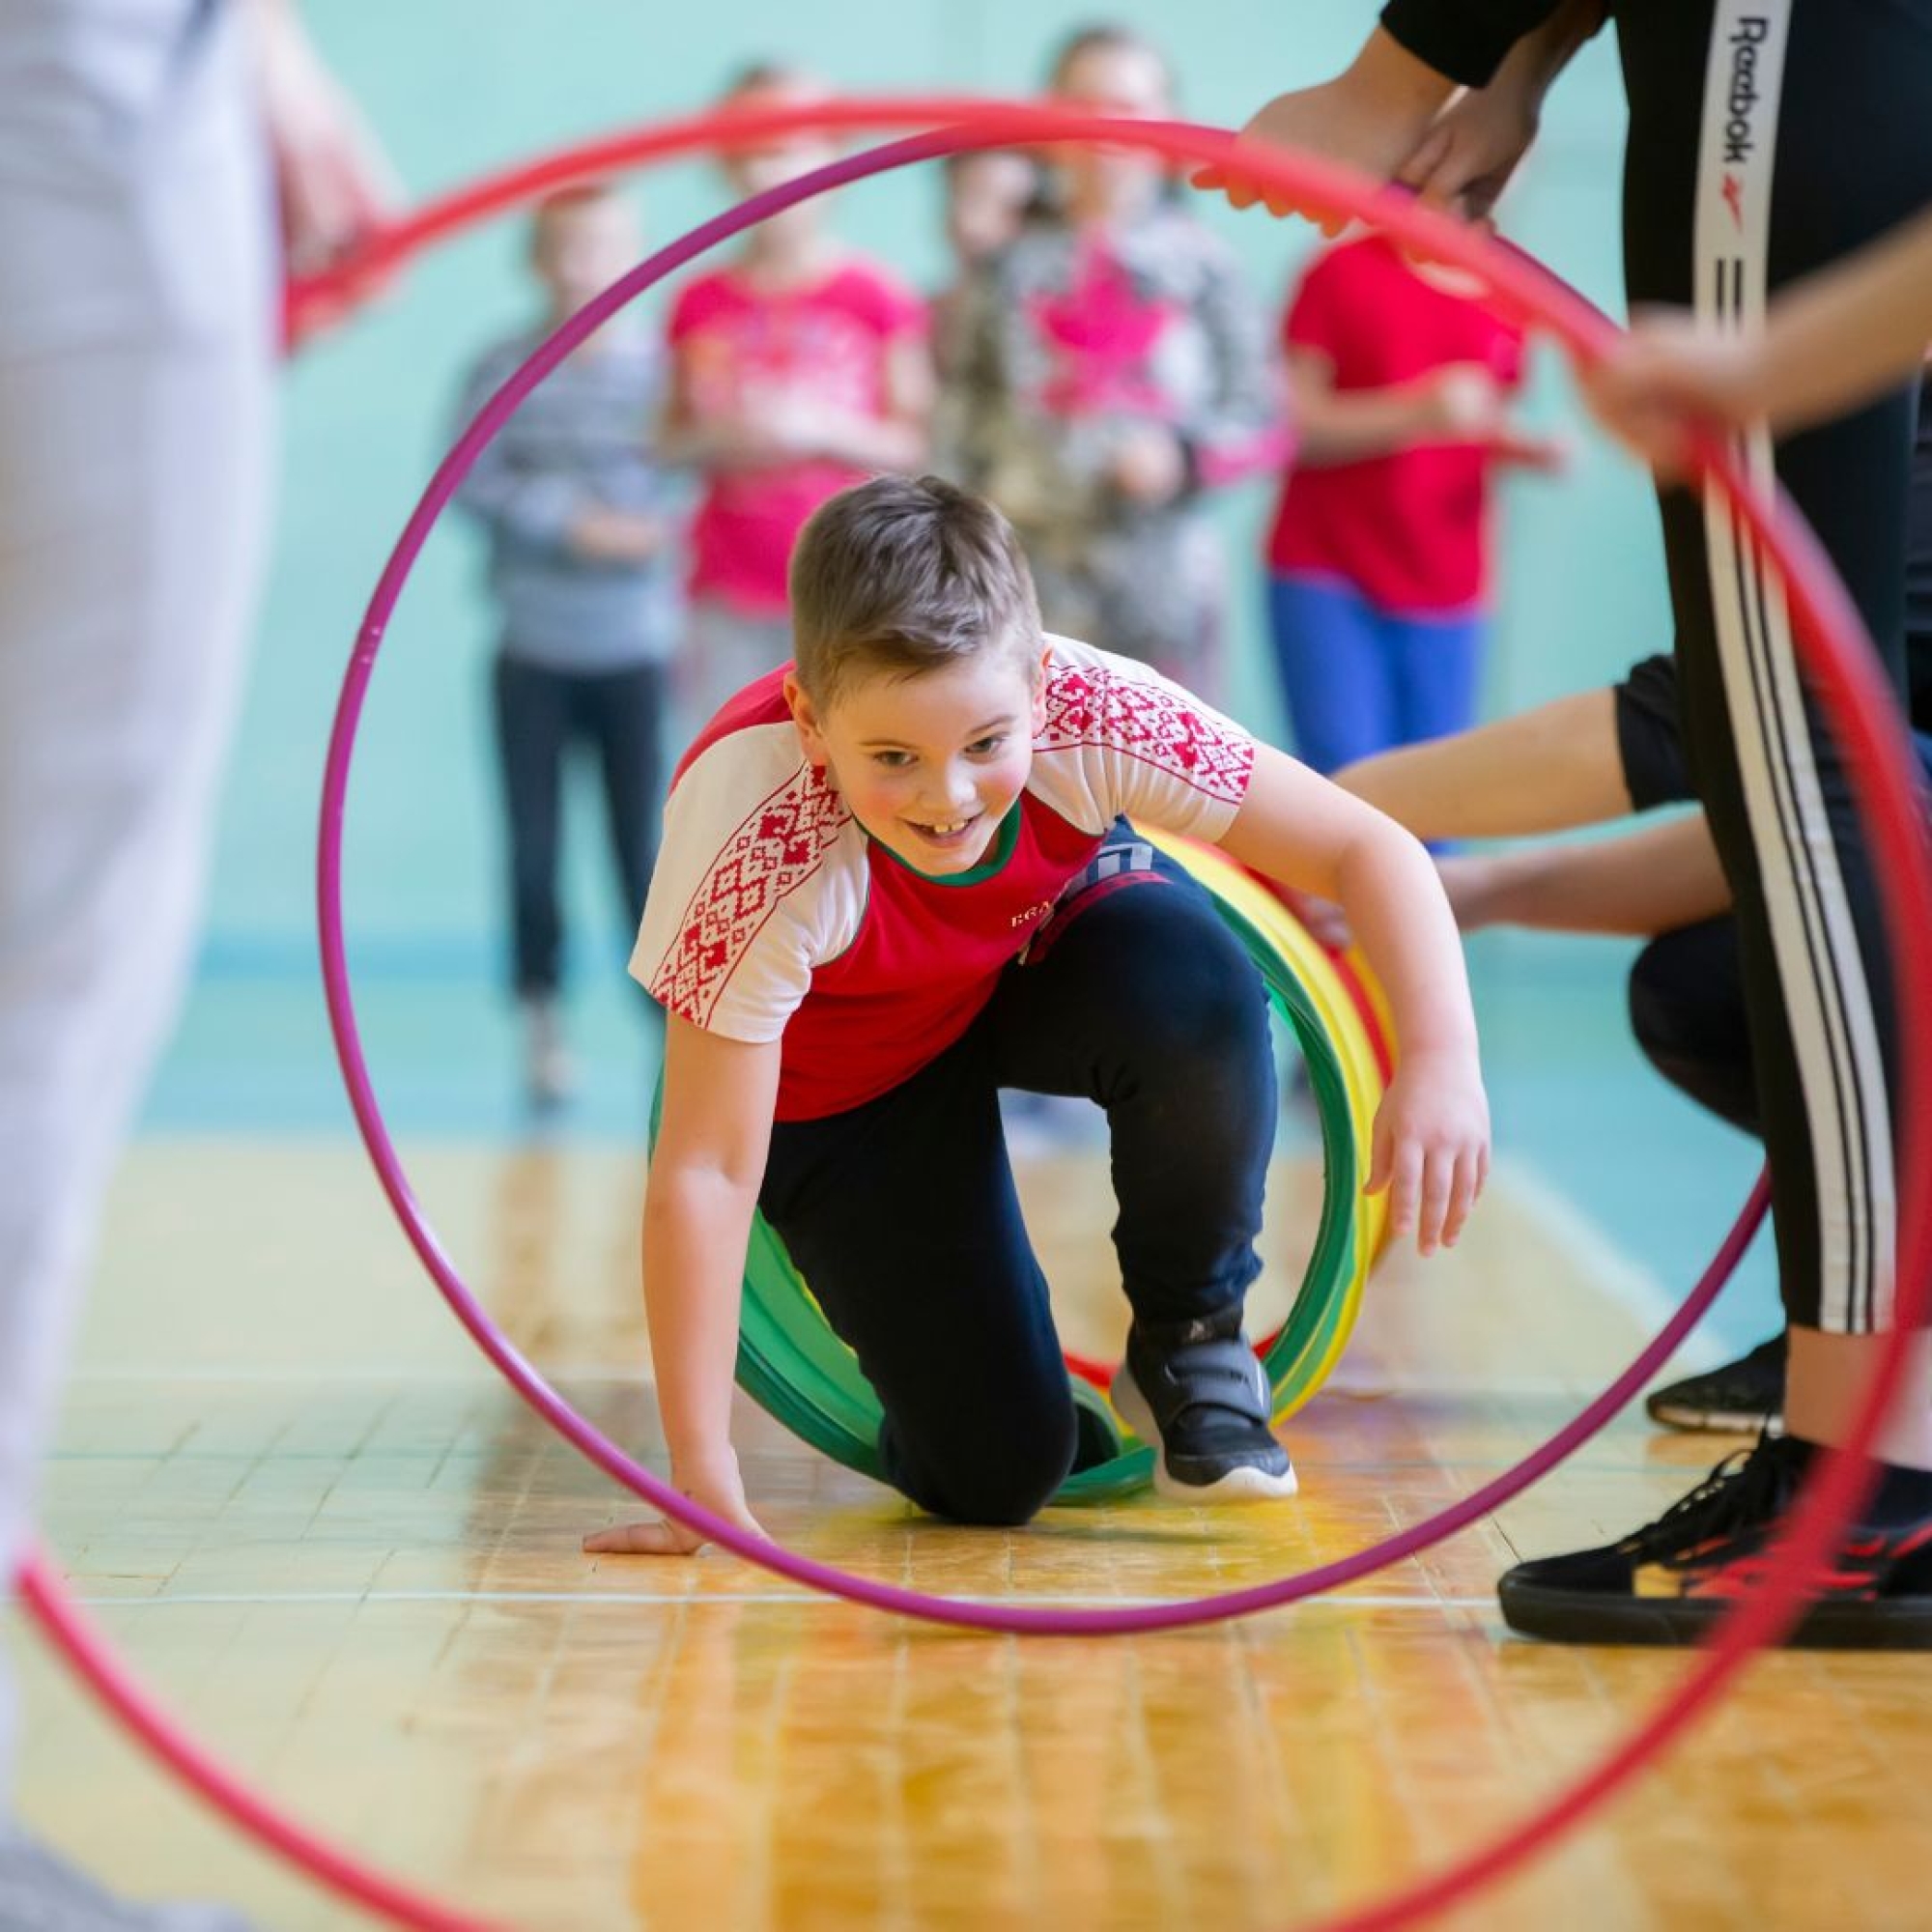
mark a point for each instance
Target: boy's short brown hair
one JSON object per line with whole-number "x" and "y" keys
{"x": 904, "y": 574}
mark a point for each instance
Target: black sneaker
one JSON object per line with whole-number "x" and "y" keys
{"x": 1201, "y": 1401}
{"x": 1670, "y": 1581}
{"x": 1746, "y": 1396}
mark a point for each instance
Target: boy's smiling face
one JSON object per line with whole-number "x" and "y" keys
{"x": 930, "y": 765}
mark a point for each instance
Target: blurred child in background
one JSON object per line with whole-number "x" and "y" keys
{"x": 1379, "y": 562}
{"x": 1117, "y": 371}
{"x": 581, "y": 525}
{"x": 990, "y": 197}
{"x": 796, "y": 370}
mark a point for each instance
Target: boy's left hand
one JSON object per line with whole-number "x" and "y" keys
{"x": 1431, "y": 1146}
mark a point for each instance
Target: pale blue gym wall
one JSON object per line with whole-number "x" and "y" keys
{"x": 455, "y": 86}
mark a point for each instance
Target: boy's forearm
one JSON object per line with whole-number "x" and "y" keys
{"x": 697, "y": 1224}
{"x": 1399, "y": 914}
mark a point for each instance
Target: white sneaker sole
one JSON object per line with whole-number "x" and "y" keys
{"x": 1239, "y": 1486}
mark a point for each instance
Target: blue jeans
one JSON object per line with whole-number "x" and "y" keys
{"x": 902, "y": 1216}
{"x": 1357, "y": 679}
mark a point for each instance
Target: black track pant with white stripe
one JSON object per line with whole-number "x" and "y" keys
{"x": 1765, "y": 141}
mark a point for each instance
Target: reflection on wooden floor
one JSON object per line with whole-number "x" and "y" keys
{"x": 351, "y": 1561}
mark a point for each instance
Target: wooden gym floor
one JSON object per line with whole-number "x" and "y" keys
{"x": 316, "y": 1523}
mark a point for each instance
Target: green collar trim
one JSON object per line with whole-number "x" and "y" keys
{"x": 1004, "y": 841}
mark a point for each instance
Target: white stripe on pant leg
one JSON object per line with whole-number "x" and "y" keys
{"x": 1821, "y": 971}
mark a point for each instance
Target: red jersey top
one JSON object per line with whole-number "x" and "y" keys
{"x": 1408, "y": 530}
{"x": 773, "y": 914}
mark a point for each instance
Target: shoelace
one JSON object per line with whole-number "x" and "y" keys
{"x": 1748, "y": 1487}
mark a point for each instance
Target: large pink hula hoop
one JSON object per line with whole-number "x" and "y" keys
{"x": 1835, "y": 652}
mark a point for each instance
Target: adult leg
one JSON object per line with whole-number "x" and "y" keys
{"x": 902, "y": 1216}
{"x": 1816, "y": 981}
{"x": 135, "y": 372}
{"x": 1719, "y": 93}
{"x": 1686, "y": 1009}
{"x": 1335, "y": 679}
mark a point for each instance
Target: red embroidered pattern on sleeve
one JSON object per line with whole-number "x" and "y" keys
{"x": 1086, "y": 705}
{"x": 778, "y": 846}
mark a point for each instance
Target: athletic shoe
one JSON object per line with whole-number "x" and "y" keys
{"x": 39, "y": 1893}
{"x": 1670, "y": 1581}
{"x": 1203, "y": 1400}
{"x": 1746, "y": 1396}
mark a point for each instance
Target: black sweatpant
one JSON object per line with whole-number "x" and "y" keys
{"x": 902, "y": 1216}
{"x": 1765, "y": 141}
{"x": 541, "y": 712}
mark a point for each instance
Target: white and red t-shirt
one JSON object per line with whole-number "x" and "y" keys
{"x": 1408, "y": 528}
{"x": 742, "y": 350}
{"x": 773, "y": 914}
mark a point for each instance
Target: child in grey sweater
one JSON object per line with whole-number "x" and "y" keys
{"x": 581, "y": 529}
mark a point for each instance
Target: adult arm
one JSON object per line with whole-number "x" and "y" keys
{"x": 1544, "y": 770}
{"x": 1832, "y": 341}
{"x": 1471, "y": 149}
{"x": 1635, "y": 883}
{"x": 335, "y": 185}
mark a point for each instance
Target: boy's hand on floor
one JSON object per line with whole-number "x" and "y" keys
{"x": 719, "y": 1490}
{"x": 1431, "y": 1146}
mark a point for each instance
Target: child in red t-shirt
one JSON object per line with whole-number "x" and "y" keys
{"x": 1379, "y": 559}
{"x": 899, "y": 878}
{"x": 796, "y": 370}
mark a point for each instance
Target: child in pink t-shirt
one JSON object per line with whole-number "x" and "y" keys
{"x": 796, "y": 370}
{"x": 1379, "y": 559}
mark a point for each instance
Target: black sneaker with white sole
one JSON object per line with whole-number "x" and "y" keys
{"x": 1744, "y": 1396}
{"x": 1196, "y": 1395}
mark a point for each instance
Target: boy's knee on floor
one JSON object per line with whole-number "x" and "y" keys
{"x": 1001, "y": 1480}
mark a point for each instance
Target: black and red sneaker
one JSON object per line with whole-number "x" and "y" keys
{"x": 1671, "y": 1581}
